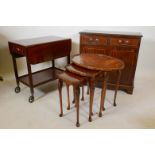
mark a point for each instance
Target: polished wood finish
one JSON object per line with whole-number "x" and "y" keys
{"x": 122, "y": 45}
{"x": 82, "y": 71}
{"x": 72, "y": 79}
{"x": 99, "y": 62}
{"x": 76, "y": 81}
{"x": 38, "y": 50}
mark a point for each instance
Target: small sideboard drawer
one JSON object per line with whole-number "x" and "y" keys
{"x": 124, "y": 42}
{"x": 94, "y": 40}
{"x": 18, "y": 49}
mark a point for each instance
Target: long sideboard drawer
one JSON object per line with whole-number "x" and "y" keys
{"x": 124, "y": 42}
{"x": 92, "y": 49}
{"x": 94, "y": 40}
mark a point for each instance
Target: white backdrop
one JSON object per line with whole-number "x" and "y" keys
{"x": 146, "y": 61}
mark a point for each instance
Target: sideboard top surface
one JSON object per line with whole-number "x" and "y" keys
{"x": 112, "y": 33}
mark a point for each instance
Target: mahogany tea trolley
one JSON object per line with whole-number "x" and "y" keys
{"x": 38, "y": 50}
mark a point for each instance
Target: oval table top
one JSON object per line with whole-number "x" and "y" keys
{"x": 98, "y": 62}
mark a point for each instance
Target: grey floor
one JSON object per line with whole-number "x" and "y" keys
{"x": 133, "y": 111}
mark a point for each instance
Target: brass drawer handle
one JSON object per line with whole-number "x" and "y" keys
{"x": 127, "y": 41}
{"x": 120, "y": 41}
{"x": 18, "y": 49}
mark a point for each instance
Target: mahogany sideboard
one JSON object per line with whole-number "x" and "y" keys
{"x": 38, "y": 50}
{"x": 124, "y": 46}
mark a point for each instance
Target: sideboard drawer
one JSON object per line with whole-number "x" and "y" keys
{"x": 92, "y": 49}
{"x": 94, "y": 40}
{"x": 124, "y": 42}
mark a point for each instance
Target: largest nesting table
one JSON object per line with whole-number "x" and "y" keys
{"x": 102, "y": 63}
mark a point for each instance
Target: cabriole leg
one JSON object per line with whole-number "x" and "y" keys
{"x": 68, "y": 97}
{"x": 117, "y": 86}
{"x": 103, "y": 93}
{"x": 91, "y": 85}
{"x": 77, "y": 94}
{"x": 82, "y": 98}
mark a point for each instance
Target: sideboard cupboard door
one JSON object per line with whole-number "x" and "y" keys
{"x": 124, "y": 46}
{"x": 129, "y": 57}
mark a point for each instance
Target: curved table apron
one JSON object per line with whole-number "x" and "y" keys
{"x": 101, "y": 63}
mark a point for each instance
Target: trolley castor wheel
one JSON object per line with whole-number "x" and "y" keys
{"x": 77, "y": 124}
{"x": 31, "y": 99}
{"x": 17, "y": 89}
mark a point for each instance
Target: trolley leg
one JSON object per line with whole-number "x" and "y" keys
{"x": 17, "y": 89}
{"x": 31, "y": 98}
{"x": 60, "y": 96}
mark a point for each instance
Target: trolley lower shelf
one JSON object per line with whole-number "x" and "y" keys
{"x": 41, "y": 77}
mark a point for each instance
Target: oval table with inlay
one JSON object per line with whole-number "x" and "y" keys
{"x": 104, "y": 64}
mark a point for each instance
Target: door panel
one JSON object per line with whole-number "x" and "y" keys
{"x": 129, "y": 57}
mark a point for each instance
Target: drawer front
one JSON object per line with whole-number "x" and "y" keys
{"x": 17, "y": 49}
{"x": 91, "y": 49}
{"x": 124, "y": 42}
{"x": 93, "y": 40}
